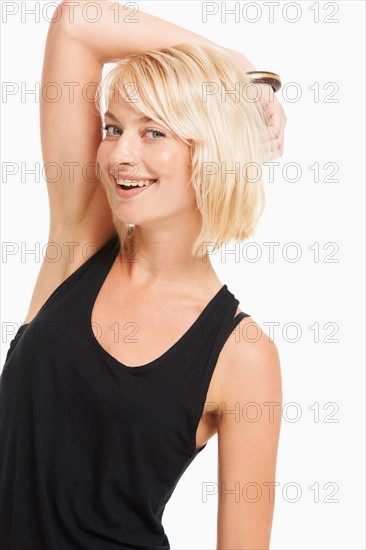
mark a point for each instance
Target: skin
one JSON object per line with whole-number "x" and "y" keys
{"x": 165, "y": 214}
{"x": 248, "y": 368}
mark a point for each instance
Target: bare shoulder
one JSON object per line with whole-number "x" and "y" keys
{"x": 248, "y": 366}
{"x": 63, "y": 255}
{"x": 249, "y": 349}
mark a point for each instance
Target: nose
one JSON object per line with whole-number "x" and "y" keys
{"x": 123, "y": 157}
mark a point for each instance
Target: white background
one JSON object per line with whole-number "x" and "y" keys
{"x": 321, "y": 294}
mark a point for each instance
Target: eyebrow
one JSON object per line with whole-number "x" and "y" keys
{"x": 141, "y": 119}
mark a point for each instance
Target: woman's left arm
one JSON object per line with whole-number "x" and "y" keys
{"x": 248, "y": 430}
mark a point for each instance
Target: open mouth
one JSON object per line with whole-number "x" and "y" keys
{"x": 128, "y": 185}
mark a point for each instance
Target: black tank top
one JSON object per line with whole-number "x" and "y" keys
{"x": 92, "y": 449}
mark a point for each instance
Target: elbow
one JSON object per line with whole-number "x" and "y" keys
{"x": 65, "y": 18}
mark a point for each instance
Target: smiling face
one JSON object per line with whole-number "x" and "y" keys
{"x": 138, "y": 148}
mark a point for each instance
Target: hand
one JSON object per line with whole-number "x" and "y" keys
{"x": 275, "y": 119}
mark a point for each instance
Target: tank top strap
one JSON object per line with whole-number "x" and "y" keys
{"x": 238, "y": 318}
{"x": 96, "y": 276}
{"x": 69, "y": 301}
{"x": 102, "y": 264}
{"x": 226, "y": 324}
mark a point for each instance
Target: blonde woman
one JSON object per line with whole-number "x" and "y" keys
{"x": 127, "y": 353}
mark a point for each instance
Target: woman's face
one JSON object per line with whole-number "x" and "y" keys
{"x": 135, "y": 148}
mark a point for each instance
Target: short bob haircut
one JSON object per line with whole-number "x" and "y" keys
{"x": 207, "y": 101}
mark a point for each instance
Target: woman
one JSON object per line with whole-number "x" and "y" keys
{"x": 96, "y": 431}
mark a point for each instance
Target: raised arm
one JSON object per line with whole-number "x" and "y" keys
{"x": 121, "y": 30}
{"x": 71, "y": 127}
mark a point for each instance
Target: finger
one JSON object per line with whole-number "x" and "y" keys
{"x": 272, "y": 145}
{"x": 273, "y": 148}
{"x": 276, "y": 117}
{"x": 272, "y": 133}
{"x": 275, "y": 122}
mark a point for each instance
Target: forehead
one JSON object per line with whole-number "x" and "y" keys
{"x": 118, "y": 107}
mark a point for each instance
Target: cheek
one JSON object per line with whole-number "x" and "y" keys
{"x": 166, "y": 160}
{"x": 173, "y": 163}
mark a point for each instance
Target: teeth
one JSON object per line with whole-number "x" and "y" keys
{"x": 132, "y": 183}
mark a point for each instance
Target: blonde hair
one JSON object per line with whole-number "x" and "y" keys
{"x": 202, "y": 96}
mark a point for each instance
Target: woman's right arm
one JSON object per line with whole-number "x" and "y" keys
{"x": 120, "y": 30}
{"x": 71, "y": 126}
{"x": 71, "y": 133}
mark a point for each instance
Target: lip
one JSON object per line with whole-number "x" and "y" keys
{"x": 124, "y": 194}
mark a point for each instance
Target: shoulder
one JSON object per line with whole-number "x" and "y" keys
{"x": 248, "y": 366}
{"x": 73, "y": 250}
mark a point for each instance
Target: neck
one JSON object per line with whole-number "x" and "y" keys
{"x": 162, "y": 256}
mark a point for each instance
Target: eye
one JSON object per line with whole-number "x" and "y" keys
{"x": 110, "y": 130}
{"x": 107, "y": 127}
{"x": 155, "y": 133}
